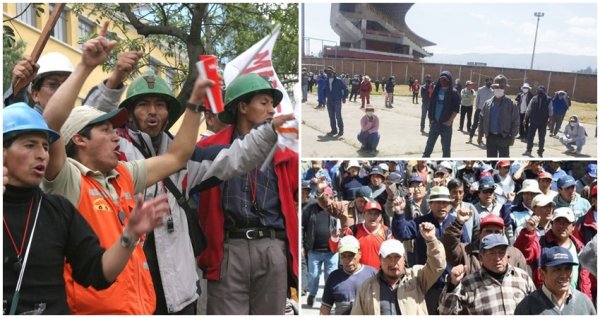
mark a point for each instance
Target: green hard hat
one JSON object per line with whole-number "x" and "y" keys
{"x": 241, "y": 86}
{"x": 149, "y": 83}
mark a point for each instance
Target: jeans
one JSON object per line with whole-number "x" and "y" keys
{"x": 531, "y": 135}
{"x": 389, "y": 99}
{"x": 468, "y": 110}
{"x": 569, "y": 144}
{"x": 424, "y": 109}
{"x": 498, "y": 146}
{"x": 438, "y": 129}
{"x": 304, "y": 93}
{"x": 334, "y": 108}
{"x": 557, "y": 120}
{"x": 316, "y": 262}
{"x": 475, "y": 123}
{"x": 369, "y": 141}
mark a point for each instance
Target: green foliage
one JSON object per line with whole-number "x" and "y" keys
{"x": 12, "y": 52}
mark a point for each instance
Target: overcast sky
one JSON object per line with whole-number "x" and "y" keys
{"x": 568, "y": 28}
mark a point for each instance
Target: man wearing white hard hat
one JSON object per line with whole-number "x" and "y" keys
{"x": 397, "y": 290}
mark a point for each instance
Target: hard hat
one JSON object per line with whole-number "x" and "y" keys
{"x": 241, "y": 86}
{"x": 53, "y": 62}
{"x": 20, "y": 118}
{"x": 149, "y": 83}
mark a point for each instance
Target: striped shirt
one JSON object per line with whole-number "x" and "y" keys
{"x": 481, "y": 294}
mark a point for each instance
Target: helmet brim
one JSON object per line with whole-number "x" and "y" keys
{"x": 227, "y": 116}
{"x": 175, "y": 109}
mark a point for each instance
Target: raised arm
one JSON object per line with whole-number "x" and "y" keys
{"x": 95, "y": 52}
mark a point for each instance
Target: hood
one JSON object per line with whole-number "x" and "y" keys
{"x": 448, "y": 75}
{"x": 575, "y": 117}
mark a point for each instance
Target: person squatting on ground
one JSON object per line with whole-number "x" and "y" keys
{"x": 57, "y": 235}
{"x": 397, "y": 290}
{"x": 575, "y": 135}
{"x": 443, "y": 108}
{"x": 498, "y": 121}
{"x": 369, "y": 131}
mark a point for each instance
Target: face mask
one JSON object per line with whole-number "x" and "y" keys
{"x": 572, "y": 125}
{"x": 498, "y": 92}
{"x": 525, "y": 90}
{"x": 370, "y": 114}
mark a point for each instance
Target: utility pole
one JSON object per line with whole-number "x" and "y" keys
{"x": 538, "y": 15}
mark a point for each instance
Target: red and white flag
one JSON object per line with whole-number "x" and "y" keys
{"x": 258, "y": 59}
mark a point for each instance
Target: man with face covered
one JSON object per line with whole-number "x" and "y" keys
{"x": 484, "y": 93}
{"x": 560, "y": 234}
{"x": 397, "y": 290}
{"x": 426, "y": 93}
{"x": 499, "y": 121}
{"x": 522, "y": 101}
{"x": 556, "y": 297}
{"x": 342, "y": 285}
{"x": 538, "y": 113}
{"x": 443, "y": 108}
{"x": 495, "y": 289}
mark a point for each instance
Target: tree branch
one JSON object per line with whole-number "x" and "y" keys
{"x": 146, "y": 30}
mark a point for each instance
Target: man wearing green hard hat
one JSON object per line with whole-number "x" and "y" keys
{"x": 251, "y": 221}
{"x": 171, "y": 249}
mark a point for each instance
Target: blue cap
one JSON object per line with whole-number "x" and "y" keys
{"x": 492, "y": 240}
{"x": 486, "y": 167}
{"x": 395, "y": 177}
{"x": 565, "y": 181}
{"x": 487, "y": 183}
{"x": 376, "y": 170}
{"x": 415, "y": 178}
{"x": 305, "y": 184}
{"x": 591, "y": 170}
{"x": 556, "y": 255}
{"x": 364, "y": 192}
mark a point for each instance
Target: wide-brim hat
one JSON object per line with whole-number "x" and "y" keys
{"x": 526, "y": 85}
{"x": 369, "y": 107}
{"x": 84, "y": 116}
{"x": 439, "y": 194}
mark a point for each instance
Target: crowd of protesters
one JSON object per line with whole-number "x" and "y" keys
{"x": 450, "y": 237}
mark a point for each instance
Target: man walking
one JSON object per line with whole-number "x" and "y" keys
{"x": 389, "y": 92}
{"x": 336, "y": 93}
{"x": 426, "y": 91}
{"x": 499, "y": 121}
{"x": 443, "y": 108}
{"x": 522, "y": 101}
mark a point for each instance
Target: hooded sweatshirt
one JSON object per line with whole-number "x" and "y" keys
{"x": 576, "y": 133}
{"x": 451, "y": 103}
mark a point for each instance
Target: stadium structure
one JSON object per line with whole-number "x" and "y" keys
{"x": 375, "y": 31}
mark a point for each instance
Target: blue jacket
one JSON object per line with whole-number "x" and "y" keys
{"x": 338, "y": 91}
{"x": 321, "y": 88}
{"x": 559, "y": 106}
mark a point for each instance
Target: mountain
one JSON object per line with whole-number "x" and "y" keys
{"x": 543, "y": 61}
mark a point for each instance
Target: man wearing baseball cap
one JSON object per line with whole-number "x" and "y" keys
{"x": 495, "y": 289}
{"x": 556, "y": 297}
{"x": 397, "y": 290}
{"x": 440, "y": 204}
{"x": 504, "y": 178}
{"x": 567, "y": 197}
{"x": 542, "y": 207}
{"x": 545, "y": 183}
{"x": 587, "y": 181}
{"x": 377, "y": 185}
{"x": 349, "y": 212}
{"x": 560, "y": 234}
{"x": 342, "y": 285}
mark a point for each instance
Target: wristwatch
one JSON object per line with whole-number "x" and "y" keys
{"x": 126, "y": 240}
{"x": 196, "y": 108}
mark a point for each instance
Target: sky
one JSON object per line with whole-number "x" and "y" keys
{"x": 456, "y": 28}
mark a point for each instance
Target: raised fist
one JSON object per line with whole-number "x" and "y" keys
{"x": 532, "y": 223}
{"x": 427, "y": 230}
{"x": 457, "y": 273}
{"x": 463, "y": 215}
{"x": 398, "y": 205}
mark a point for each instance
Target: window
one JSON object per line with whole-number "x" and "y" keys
{"x": 28, "y": 10}
{"x": 60, "y": 29}
{"x": 169, "y": 75}
{"x": 86, "y": 28}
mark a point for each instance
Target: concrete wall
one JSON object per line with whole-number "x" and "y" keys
{"x": 581, "y": 87}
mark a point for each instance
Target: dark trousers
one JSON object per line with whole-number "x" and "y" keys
{"x": 556, "y": 123}
{"x": 475, "y": 123}
{"x": 432, "y": 299}
{"x": 377, "y": 87}
{"x": 498, "y": 146}
{"x": 436, "y": 130}
{"x": 334, "y": 108}
{"x": 465, "y": 110}
{"x": 415, "y": 98}
{"x": 531, "y": 135}
{"x": 424, "y": 109}
{"x": 354, "y": 93}
{"x": 523, "y": 128}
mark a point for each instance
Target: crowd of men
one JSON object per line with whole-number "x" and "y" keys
{"x": 450, "y": 237}
{"x": 498, "y": 118}
{"x": 97, "y": 211}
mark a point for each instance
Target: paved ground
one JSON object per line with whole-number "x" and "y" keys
{"x": 400, "y": 136}
{"x": 314, "y": 310}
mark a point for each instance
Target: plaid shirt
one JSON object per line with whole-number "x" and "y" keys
{"x": 481, "y": 294}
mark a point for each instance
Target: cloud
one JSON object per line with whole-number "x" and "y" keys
{"x": 586, "y": 32}
{"x": 477, "y": 16}
{"x": 483, "y": 34}
{"x": 582, "y": 22}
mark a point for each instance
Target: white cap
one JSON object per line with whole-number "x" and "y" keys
{"x": 348, "y": 243}
{"x": 530, "y": 185}
{"x": 384, "y": 167}
{"x": 566, "y": 213}
{"x": 353, "y": 163}
{"x": 541, "y": 200}
{"x": 391, "y": 246}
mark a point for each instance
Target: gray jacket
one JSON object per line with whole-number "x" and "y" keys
{"x": 509, "y": 118}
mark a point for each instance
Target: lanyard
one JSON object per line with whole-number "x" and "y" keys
{"x": 19, "y": 251}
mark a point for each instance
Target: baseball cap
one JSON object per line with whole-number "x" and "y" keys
{"x": 395, "y": 177}
{"x": 487, "y": 183}
{"x": 544, "y": 175}
{"x": 353, "y": 164}
{"x": 384, "y": 167}
{"x": 83, "y": 116}
{"x": 566, "y": 213}
{"x": 376, "y": 170}
{"x": 565, "y": 181}
{"x": 348, "y": 243}
{"x": 364, "y": 192}
{"x": 503, "y": 163}
{"x": 500, "y": 79}
{"x": 591, "y": 170}
{"x": 556, "y": 255}
{"x": 391, "y": 246}
{"x": 372, "y": 205}
{"x": 328, "y": 191}
{"x": 541, "y": 200}
{"x": 438, "y": 193}
{"x": 443, "y": 170}
{"x": 415, "y": 178}
{"x": 492, "y": 240}
{"x": 491, "y": 219}
{"x": 530, "y": 185}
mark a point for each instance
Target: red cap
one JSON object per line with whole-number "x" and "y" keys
{"x": 372, "y": 205}
{"x": 503, "y": 163}
{"x": 328, "y": 191}
{"x": 544, "y": 175}
{"x": 491, "y": 219}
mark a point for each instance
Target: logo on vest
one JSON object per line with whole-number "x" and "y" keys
{"x": 100, "y": 205}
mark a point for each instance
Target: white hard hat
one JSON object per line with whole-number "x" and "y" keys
{"x": 54, "y": 62}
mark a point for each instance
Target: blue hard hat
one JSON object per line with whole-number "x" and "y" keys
{"x": 20, "y": 118}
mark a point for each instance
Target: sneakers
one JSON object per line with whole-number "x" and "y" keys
{"x": 310, "y": 300}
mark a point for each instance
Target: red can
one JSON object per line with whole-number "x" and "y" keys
{"x": 208, "y": 69}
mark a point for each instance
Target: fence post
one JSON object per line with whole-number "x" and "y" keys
{"x": 549, "y": 80}
{"x": 574, "y": 86}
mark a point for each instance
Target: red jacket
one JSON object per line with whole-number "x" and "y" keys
{"x": 531, "y": 246}
{"x": 211, "y": 214}
{"x": 585, "y": 230}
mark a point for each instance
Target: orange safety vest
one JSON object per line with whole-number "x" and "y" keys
{"x": 132, "y": 293}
